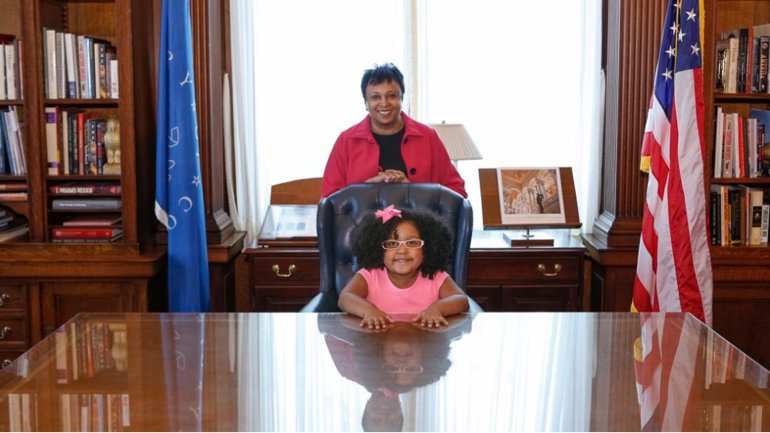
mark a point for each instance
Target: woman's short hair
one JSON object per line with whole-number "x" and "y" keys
{"x": 368, "y": 238}
{"x": 380, "y": 74}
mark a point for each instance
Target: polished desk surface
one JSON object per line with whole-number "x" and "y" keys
{"x": 311, "y": 372}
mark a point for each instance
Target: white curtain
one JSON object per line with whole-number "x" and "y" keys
{"x": 525, "y": 82}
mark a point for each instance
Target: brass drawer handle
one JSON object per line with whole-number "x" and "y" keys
{"x": 4, "y": 332}
{"x": 277, "y": 270}
{"x": 556, "y": 269}
{"x": 4, "y": 297}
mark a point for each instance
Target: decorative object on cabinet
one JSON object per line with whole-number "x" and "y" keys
{"x": 527, "y": 198}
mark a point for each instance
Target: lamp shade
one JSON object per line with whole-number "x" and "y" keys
{"x": 458, "y": 143}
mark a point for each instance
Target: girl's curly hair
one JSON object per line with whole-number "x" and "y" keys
{"x": 368, "y": 238}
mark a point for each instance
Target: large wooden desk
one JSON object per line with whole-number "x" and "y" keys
{"x": 310, "y": 372}
{"x": 283, "y": 275}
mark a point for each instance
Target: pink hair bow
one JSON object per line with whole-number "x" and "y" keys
{"x": 388, "y": 213}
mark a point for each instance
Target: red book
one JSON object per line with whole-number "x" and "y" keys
{"x": 92, "y": 221}
{"x": 85, "y": 232}
{"x": 85, "y": 188}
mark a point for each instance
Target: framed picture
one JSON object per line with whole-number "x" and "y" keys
{"x": 530, "y": 196}
{"x": 289, "y": 221}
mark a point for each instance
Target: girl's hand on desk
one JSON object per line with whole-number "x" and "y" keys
{"x": 431, "y": 317}
{"x": 374, "y": 319}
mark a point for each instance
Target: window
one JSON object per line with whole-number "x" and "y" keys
{"x": 513, "y": 73}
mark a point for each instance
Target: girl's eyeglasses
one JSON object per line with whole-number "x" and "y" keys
{"x": 392, "y": 244}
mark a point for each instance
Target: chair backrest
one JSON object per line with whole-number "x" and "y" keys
{"x": 300, "y": 191}
{"x": 340, "y": 213}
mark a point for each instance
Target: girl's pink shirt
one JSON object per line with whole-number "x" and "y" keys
{"x": 392, "y": 300}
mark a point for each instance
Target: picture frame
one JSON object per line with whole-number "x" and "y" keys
{"x": 530, "y": 196}
{"x": 289, "y": 221}
{"x": 494, "y": 215}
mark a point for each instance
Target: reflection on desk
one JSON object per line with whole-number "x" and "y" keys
{"x": 308, "y": 372}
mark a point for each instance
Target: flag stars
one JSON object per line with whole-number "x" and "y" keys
{"x": 196, "y": 180}
{"x": 667, "y": 74}
{"x": 674, "y": 28}
{"x": 695, "y": 49}
{"x": 671, "y": 51}
{"x": 682, "y": 35}
{"x": 691, "y": 15}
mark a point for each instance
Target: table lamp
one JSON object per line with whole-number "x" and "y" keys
{"x": 458, "y": 143}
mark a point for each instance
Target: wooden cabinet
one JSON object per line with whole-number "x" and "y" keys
{"x": 14, "y": 326}
{"x": 283, "y": 276}
{"x": 49, "y": 282}
{"x": 548, "y": 278}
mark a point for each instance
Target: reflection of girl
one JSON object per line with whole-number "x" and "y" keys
{"x": 402, "y": 358}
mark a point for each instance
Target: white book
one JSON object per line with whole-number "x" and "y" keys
{"x": 764, "y": 224}
{"x": 50, "y": 64}
{"x": 114, "y": 93}
{"x": 61, "y": 67}
{"x": 73, "y": 86}
{"x": 3, "y": 94}
{"x": 10, "y": 71}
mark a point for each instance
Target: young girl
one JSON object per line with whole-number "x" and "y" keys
{"x": 403, "y": 256}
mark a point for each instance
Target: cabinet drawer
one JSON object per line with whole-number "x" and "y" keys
{"x": 524, "y": 269}
{"x": 7, "y": 356}
{"x": 11, "y": 297}
{"x": 12, "y": 332}
{"x": 285, "y": 271}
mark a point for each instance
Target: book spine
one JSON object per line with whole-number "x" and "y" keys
{"x": 82, "y": 233}
{"x": 52, "y": 139}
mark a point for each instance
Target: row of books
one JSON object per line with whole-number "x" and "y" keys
{"x": 12, "y": 226}
{"x": 739, "y": 215}
{"x": 88, "y": 228}
{"x": 742, "y": 60}
{"x": 75, "y": 143}
{"x": 10, "y": 68}
{"x": 13, "y": 191}
{"x": 22, "y": 412}
{"x": 95, "y": 412}
{"x": 79, "y": 66}
{"x": 87, "y": 349}
{"x": 741, "y": 145}
{"x": 732, "y": 417}
{"x": 12, "y": 159}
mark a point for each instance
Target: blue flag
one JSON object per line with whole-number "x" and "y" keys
{"x": 178, "y": 189}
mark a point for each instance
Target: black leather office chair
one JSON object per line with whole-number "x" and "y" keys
{"x": 341, "y": 212}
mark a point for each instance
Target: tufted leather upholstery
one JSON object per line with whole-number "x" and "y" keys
{"x": 341, "y": 212}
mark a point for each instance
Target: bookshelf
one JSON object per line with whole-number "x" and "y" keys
{"x": 94, "y": 364}
{"x": 54, "y": 279}
{"x": 741, "y": 293}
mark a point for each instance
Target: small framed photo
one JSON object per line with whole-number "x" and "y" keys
{"x": 530, "y": 196}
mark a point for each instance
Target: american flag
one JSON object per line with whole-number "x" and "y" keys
{"x": 665, "y": 356}
{"x": 674, "y": 265}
